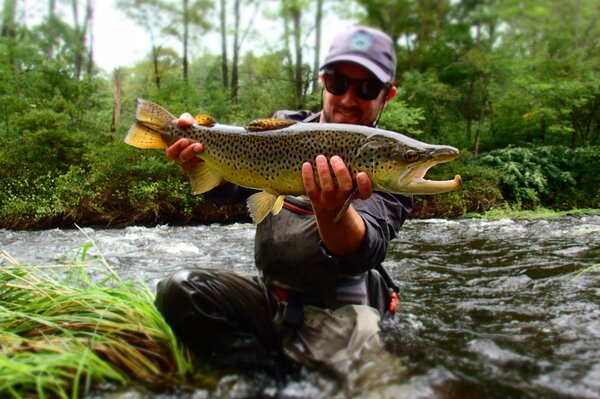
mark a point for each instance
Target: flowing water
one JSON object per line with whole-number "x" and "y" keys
{"x": 489, "y": 309}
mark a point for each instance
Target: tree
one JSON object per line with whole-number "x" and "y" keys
{"x": 150, "y": 14}
{"x": 317, "y": 57}
{"x": 82, "y": 30}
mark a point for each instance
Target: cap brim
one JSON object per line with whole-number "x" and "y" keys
{"x": 375, "y": 69}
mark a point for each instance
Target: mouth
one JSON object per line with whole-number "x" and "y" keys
{"x": 420, "y": 185}
{"x": 414, "y": 178}
{"x": 345, "y": 115}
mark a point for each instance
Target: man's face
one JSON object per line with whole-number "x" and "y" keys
{"x": 348, "y": 107}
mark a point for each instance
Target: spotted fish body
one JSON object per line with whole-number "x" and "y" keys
{"x": 268, "y": 155}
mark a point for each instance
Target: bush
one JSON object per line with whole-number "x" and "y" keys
{"x": 555, "y": 177}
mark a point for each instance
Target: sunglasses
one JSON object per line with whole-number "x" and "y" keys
{"x": 366, "y": 89}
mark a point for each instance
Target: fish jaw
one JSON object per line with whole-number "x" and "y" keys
{"x": 421, "y": 186}
{"x": 413, "y": 180}
{"x": 404, "y": 168}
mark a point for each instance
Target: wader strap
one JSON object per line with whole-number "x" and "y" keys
{"x": 387, "y": 278}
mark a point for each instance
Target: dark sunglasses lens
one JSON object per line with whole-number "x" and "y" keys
{"x": 368, "y": 89}
{"x": 336, "y": 84}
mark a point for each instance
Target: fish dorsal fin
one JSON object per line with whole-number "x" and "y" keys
{"x": 205, "y": 120}
{"x": 203, "y": 179}
{"x": 260, "y": 204}
{"x": 263, "y": 125}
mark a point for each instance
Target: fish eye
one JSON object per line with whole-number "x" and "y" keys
{"x": 411, "y": 156}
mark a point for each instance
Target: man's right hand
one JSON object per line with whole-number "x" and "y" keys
{"x": 183, "y": 151}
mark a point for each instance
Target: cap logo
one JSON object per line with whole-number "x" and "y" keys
{"x": 361, "y": 41}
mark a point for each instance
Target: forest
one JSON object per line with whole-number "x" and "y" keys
{"x": 515, "y": 85}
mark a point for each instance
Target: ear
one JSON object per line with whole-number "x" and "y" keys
{"x": 391, "y": 94}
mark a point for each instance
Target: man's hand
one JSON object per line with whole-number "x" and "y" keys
{"x": 327, "y": 196}
{"x": 183, "y": 151}
{"x": 328, "y": 199}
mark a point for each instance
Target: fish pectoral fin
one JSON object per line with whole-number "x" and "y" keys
{"x": 260, "y": 204}
{"x": 203, "y": 179}
{"x": 141, "y": 136}
{"x": 205, "y": 120}
{"x": 263, "y": 125}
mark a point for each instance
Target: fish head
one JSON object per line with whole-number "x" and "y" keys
{"x": 398, "y": 164}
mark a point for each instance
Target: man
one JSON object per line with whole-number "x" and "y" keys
{"x": 316, "y": 298}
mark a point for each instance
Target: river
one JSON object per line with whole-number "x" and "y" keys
{"x": 489, "y": 308}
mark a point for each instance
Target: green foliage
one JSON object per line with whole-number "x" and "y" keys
{"x": 398, "y": 117}
{"x": 480, "y": 189}
{"x": 463, "y": 81}
{"x": 549, "y": 176}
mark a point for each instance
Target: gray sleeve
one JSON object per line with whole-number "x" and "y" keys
{"x": 384, "y": 215}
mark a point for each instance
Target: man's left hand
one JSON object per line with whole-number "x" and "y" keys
{"x": 326, "y": 195}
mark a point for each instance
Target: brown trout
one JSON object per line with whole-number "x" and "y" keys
{"x": 268, "y": 154}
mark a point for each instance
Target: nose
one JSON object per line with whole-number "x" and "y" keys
{"x": 348, "y": 99}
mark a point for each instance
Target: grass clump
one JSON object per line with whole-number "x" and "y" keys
{"x": 67, "y": 330}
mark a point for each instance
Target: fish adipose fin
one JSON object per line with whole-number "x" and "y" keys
{"x": 260, "y": 204}
{"x": 203, "y": 179}
{"x": 263, "y": 125}
{"x": 205, "y": 120}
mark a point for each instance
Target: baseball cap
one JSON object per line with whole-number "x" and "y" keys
{"x": 368, "y": 47}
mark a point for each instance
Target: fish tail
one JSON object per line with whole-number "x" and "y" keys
{"x": 151, "y": 114}
{"x": 150, "y": 121}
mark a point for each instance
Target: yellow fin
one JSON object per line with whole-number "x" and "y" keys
{"x": 278, "y": 205}
{"x": 151, "y": 114}
{"x": 260, "y": 204}
{"x": 203, "y": 179}
{"x": 205, "y": 120}
{"x": 141, "y": 136}
{"x": 263, "y": 125}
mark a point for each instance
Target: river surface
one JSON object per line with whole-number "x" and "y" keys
{"x": 489, "y": 308}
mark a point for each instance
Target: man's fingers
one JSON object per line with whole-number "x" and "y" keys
{"x": 342, "y": 174}
{"x": 186, "y": 120}
{"x": 175, "y": 149}
{"x": 189, "y": 153}
{"x": 325, "y": 177}
{"x": 364, "y": 185}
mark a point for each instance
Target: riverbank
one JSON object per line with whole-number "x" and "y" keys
{"x": 117, "y": 186}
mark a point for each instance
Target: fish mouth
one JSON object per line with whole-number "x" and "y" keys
{"x": 420, "y": 185}
{"x": 414, "y": 182}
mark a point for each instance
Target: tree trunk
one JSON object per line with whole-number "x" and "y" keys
{"x": 117, "y": 99}
{"x": 296, "y": 18}
{"x": 236, "y": 52}
{"x": 9, "y": 31}
{"x": 479, "y": 125}
{"x": 80, "y": 34}
{"x": 90, "y": 23}
{"x": 186, "y": 27}
{"x": 469, "y": 108}
{"x": 52, "y": 34}
{"x": 155, "y": 62}
{"x": 318, "y": 21}
{"x": 8, "y": 22}
{"x": 574, "y": 135}
{"x": 224, "y": 60}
